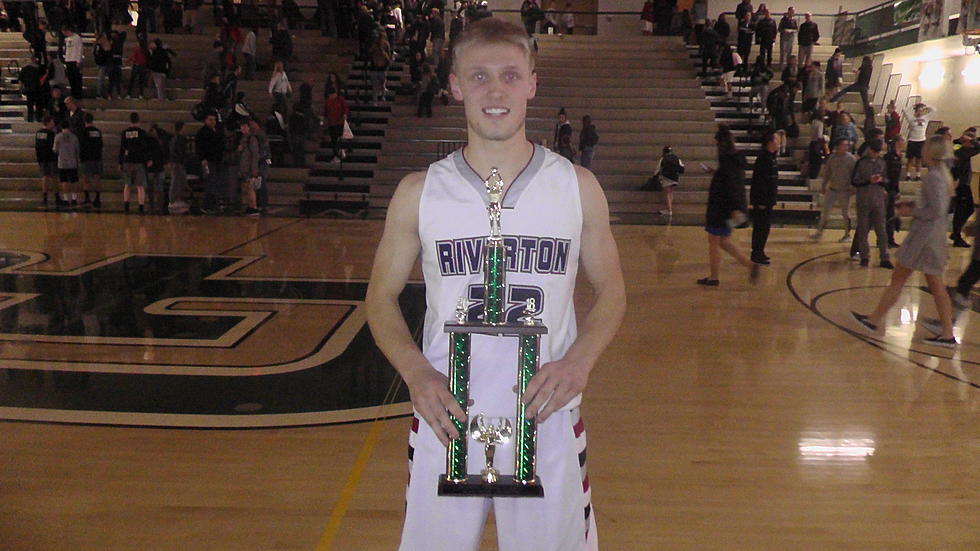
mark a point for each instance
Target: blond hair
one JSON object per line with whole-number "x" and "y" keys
{"x": 489, "y": 31}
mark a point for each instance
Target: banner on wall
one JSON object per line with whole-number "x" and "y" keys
{"x": 931, "y": 20}
{"x": 970, "y": 22}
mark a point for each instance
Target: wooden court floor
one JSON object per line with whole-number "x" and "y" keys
{"x": 739, "y": 417}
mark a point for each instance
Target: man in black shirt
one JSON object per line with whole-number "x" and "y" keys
{"x": 765, "y": 188}
{"x": 563, "y": 136}
{"x": 210, "y": 143}
{"x": 437, "y": 31}
{"x": 56, "y": 107}
{"x": 46, "y": 160}
{"x": 709, "y": 48}
{"x": 746, "y": 30}
{"x": 808, "y": 36}
{"x": 30, "y": 85}
{"x": 744, "y": 8}
{"x": 133, "y": 160}
{"x": 964, "y": 148}
{"x": 90, "y": 154}
{"x": 765, "y": 35}
{"x": 74, "y": 117}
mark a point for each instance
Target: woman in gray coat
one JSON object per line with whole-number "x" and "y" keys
{"x": 924, "y": 249}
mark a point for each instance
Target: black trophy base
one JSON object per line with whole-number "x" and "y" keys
{"x": 474, "y": 486}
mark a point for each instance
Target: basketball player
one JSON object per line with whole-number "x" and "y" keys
{"x": 555, "y": 218}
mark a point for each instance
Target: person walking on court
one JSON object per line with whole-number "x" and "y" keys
{"x": 924, "y": 248}
{"x": 763, "y": 194}
{"x": 870, "y": 178}
{"x": 726, "y": 208}
{"x": 835, "y": 177}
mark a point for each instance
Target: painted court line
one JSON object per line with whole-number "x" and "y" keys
{"x": 354, "y": 478}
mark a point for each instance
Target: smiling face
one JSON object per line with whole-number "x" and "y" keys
{"x": 494, "y": 82}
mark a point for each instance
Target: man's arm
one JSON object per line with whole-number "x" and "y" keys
{"x": 557, "y": 382}
{"x": 393, "y": 264}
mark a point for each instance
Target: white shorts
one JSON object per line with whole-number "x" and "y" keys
{"x": 562, "y": 520}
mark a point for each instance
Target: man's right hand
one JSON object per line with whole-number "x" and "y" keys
{"x": 430, "y": 395}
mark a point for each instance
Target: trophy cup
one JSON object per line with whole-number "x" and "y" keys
{"x": 524, "y": 482}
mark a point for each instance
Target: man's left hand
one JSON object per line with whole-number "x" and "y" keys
{"x": 553, "y": 386}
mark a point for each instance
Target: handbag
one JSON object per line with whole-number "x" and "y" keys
{"x": 348, "y": 134}
{"x": 653, "y": 183}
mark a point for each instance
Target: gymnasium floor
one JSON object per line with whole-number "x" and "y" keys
{"x": 738, "y": 417}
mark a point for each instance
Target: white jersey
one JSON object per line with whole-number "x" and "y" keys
{"x": 541, "y": 222}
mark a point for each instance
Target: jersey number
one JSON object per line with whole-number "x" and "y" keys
{"x": 517, "y": 296}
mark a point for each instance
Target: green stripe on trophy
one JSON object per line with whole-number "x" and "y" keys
{"x": 459, "y": 387}
{"x": 493, "y": 279}
{"x": 524, "y": 443}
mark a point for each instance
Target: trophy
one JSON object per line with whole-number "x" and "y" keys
{"x": 524, "y": 482}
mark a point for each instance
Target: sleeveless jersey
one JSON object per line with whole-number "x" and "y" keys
{"x": 541, "y": 222}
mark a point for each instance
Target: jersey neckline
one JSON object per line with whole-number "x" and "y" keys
{"x": 516, "y": 189}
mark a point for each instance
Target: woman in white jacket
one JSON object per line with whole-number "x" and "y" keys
{"x": 279, "y": 87}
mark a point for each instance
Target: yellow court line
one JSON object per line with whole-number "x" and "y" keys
{"x": 354, "y": 478}
{"x": 347, "y": 492}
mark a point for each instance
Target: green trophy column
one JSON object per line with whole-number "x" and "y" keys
{"x": 459, "y": 387}
{"x": 494, "y": 272}
{"x": 524, "y": 449}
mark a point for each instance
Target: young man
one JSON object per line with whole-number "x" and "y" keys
{"x": 133, "y": 161}
{"x": 765, "y": 34}
{"x": 765, "y": 189}
{"x": 808, "y": 37}
{"x": 47, "y": 162}
{"x": 91, "y": 157}
{"x": 836, "y": 188}
{"x": 964, "y": 148}
{"x": 562, "y": 143}
{"x": 73, "y": 61}
{"x": 787, "y": 35}
{"x": 66, "y": 148}
{"x": 918, "y": 117}
{"x": 210, "y": 146}
{"x": 248, "y": 167}
{"x": 870, "y": 178}
{"x": 547, "y": 203}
